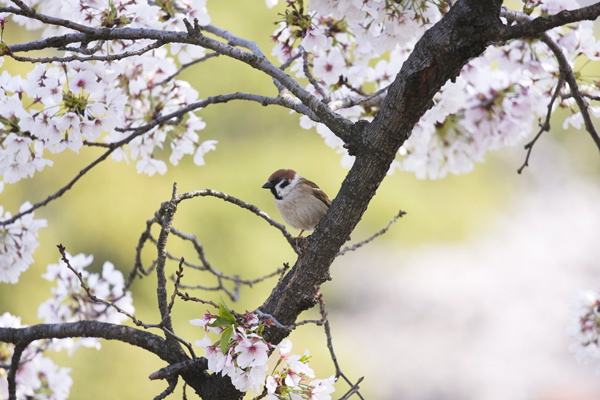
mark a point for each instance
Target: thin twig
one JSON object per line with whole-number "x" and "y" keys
{"x": 317, "y": 322}
{"x": 108, "y": 57}
{"x": 381, "y": 232}
{"x": 138, "y": 267}
{"x": 309, "y": 75}
{"x": 176, "y": 285}
{"x": 91, "y": 296}
{"x": 583, "y": 94}
{"x": 372, "y": 100}
{"x": 170, "y": 389}
{"x": 179, "y": 339}
{"x": 61, "y": 191}
{"x": 234, "y": 40}
{"x": 187, "y": 297}
{"x": 146, "y": 236}
{"x": 272, "y": 319}
{"x": 566, "y": 72}
{"x": 354, "y": 389}
{"x": 240, "y": 203}
{"x": 29, "y": 12}
{"x": 338, "y": 370}
{"x": 164, "y": 324}
{"x": 169, "y": 207}
{"x": 290, "y": 60}
{"x": 187, "y": 65}
{"x": 544, "y": 126}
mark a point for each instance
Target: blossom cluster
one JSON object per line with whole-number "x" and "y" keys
{"x": 241, "y": 353}
{"x": 69, "y": 103}
{"x": 290, "y": 376}
{"x": 494, "y": 103}
{"x": 70, "y": 302}
{"x": 37, "y": 377}
{"x": 18, "y": 241}
{"x": 585, "y": 328}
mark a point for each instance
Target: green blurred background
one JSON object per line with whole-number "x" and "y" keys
{"x": 105, "y": 213}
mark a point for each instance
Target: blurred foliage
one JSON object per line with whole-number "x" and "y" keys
{"x": 105, "y": 212}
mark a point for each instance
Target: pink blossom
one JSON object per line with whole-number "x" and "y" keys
{"x": 84, "y": 80}
{"x": 252, "y": 352}
{"x": 150, "y": 166}
{"x": 20, "y": 239}
{"x": 329, "y": 67}
{"x": 69, "y": 301}
{"x": 251, "y": 378}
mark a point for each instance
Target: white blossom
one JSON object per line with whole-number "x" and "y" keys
{"x": 585, "y": 328}
{"x": 18, "y": 241}
{"x": 70, "y": 302}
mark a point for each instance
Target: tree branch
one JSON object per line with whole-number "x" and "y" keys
{"x": 370, "y": 239}
{"x": 544, "y": 126}
{"x": 108, "y": 57}
{"x": 69, "y": 185}
{"x": 463, "y": 33}
{"x": 566, "y": 72}
{"x": 539, "y": 25}
{"x": 569, "y": 76}
{"x": 250, "y": 207}
{"x": 354, "y": 387}
{"x": 256, "y": 59}
{"x": 104, "y": 330}
{"x": 169, "y": 208}
{"x": 138, "y": 131}
{"x": 12, "y": 372}
{"x": 170, "y": 389}
{"x": 195, "y": 375}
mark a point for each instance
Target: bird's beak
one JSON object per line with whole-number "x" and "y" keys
{"x": 268, "y": 185}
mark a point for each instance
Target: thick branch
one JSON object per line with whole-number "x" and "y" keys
{"x": 146, "y": 340}
{"x": 206, "y": 385}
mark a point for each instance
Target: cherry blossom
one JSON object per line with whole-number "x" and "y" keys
{"x": 252, "y": 351}
{"x": 495, "y": 102}
{"x": 244, "y": 361}
{"x": 79, "y": 101}
{"x": 290, "y": 379}
{"x": 271, "y": 3}
{"x": 70, "y": 302}
{"x": 18, "y": 242}
{"x": 242, "y": 354}
{"x": 585, "y": 328}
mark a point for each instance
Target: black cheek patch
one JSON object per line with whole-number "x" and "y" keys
{"x": 274, "y": 191}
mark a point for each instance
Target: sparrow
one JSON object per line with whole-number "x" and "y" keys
{"x": 301, "y": 203}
